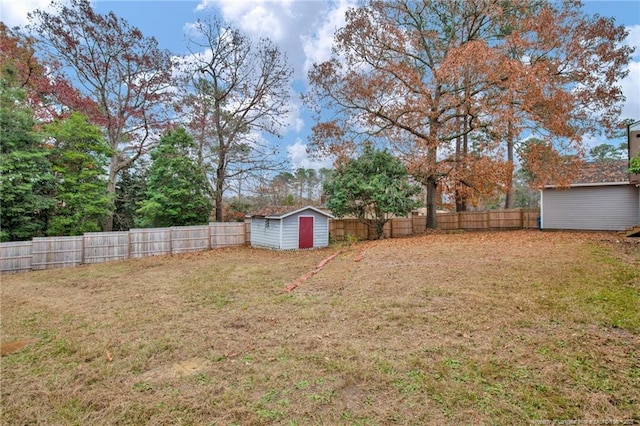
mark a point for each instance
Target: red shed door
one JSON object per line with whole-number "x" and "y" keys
{"x": 305, "y": 232}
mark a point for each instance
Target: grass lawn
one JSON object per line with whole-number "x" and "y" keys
{"x": 465, "y": 328}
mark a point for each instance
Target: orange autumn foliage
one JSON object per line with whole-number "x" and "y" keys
{"x": 451, "y": 87}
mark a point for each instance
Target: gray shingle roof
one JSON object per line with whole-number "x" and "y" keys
{"x": 607, "y": 171}
{"x": 281, "y": 211}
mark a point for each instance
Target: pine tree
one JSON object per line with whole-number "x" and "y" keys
{"x": 79, "y": 157}
{"x": 130, "y": 192}
{"x": 177, "y": 188}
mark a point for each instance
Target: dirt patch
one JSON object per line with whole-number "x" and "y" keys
{"x": 178, "y": 369}
{"x": 190, "y": 366}
{"x": 7, "y": 348}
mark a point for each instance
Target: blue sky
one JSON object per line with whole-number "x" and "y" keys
{"x": 303, "y": 29}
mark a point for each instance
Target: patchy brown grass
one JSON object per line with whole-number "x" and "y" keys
{"x": 473, "y": 328}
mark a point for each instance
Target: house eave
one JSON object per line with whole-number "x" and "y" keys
{"x": 578, "y": 185}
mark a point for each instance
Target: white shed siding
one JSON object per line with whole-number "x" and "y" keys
{"x": 263, "y": 236}
{"x": 283, "y": 232}
{"x": 321, "y": 231}
{"x": 290, "y": 232}
{"x": 597, "y": 208}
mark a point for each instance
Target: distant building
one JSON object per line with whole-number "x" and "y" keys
{"x": 601, "y": 198}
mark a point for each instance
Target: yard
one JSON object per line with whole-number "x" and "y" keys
{"x": 444, "y": 328}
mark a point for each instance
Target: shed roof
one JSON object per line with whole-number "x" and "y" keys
{"x": 280, "y": 212}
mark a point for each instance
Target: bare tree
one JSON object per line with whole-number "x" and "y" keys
{"x": 238, "y": 91}
{"x": 125, "y": 73}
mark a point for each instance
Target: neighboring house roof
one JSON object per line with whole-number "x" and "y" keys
{"x": 280, "y": 212}
{"x": 605, "y": 172}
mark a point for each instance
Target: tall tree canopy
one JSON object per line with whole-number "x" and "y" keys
{"x": 126, "y": 75}
{"x": 423, "y": 75}
{"x": 46, "y": 93}
{"x": 26, "y": 182}
{"x": 237, "y": 91}
{"x": 606, "y": 151}
{"x": 176, "y": 192}
{"x": 374, "y": 188}
{"x": 78, "y": 155}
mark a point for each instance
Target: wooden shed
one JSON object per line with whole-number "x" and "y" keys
{"x": 601, "y": 198}
{"x": 290, "y": 227}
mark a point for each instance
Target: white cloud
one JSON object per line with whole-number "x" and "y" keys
{"x": 590, "y": 141}
{"x": 294, "y": 121}
{"x": 631, "y": 83}
{"x": 633, "y": 39}
{"x": 259, "y": 17}
{"x": 191, "y": 29}
{"x": 14, "y": 12}
{"x": 255, "y": 17}
{"x": 631, "y": 89}
{"x": 288, "y": 23}
{"x": 317, "y": 44}
{"x": 299, "y": 158}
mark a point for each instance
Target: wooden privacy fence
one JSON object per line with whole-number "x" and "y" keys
{"x": 340, "y": 229}
{"x": 96, "y": 247}
{"x": 489, "y": 220}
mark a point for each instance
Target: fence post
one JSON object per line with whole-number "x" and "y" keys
{"x": 82, "y": 251}
{"x": 521, "y": 218}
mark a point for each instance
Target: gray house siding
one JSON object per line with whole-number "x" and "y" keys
{"x": 596, "y": 208}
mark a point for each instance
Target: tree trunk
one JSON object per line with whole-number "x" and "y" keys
{"x": 461, "y": 205}
{"x": 111, "y": 191}
{"x": 508, "y": 200}
{"x": 431, "y": 181}
{"x": 432, "y": 187}
{"x": 461, "y": 199}
{"x": 219, "y": 191}
{"x": 458, "y": 160}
